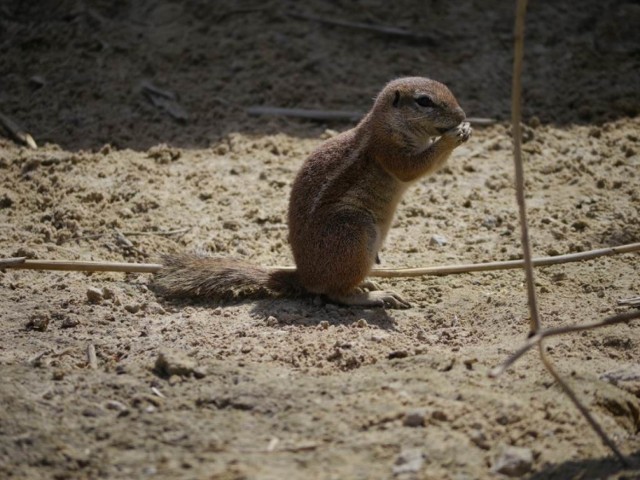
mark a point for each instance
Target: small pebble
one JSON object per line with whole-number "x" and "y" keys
{"x": 409, "y": 461}
{"x": 439, "y": 415}
{"x": 490, "y": 222}
{"x": 156, "y": 308}
{"x": 37, "y": 81}
{"x": 415, "y": 418}
{"x": 199, "y": 372}
{"x": 513, "y": 461}
{"x": 115, "y": 405}
{"x": 438, "y": 240}
{"x": 39, "y": 321}
{"x": 92, "y": 412}
{"x": 133, "y": 307}
{"x": 469, "y": 362}
{"x": 398, "y": 354}
{"x": 70, "y": 322}
{"x": 479, "y": 439}
{"x": 171, "y": 363}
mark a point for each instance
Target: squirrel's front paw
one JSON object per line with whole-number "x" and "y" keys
{"x": 460, "y": 133}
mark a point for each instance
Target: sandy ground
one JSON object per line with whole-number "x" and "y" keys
{"x": 300, "y": 388}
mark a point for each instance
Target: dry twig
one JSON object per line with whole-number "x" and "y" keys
{"x": 158, "y": 233}
{"x": 334, "y": 115}
{"x": 552, "y": 332}
{"x": 82, "y": 266}
{"x": 531, "y": 292}
{"x": 17, "y": 132}
{"x": 320, "y": 115}
{"x": 505, "y": 265}
{"x": 371, "y": 27}
{"x": 164, "y": 100}
{"x": 516, "y": 117}
{"x": 632, "y": 302}
{"x": 79, "y": 266}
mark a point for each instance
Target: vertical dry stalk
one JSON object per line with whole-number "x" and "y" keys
{"x": 526, "y": 245}
{"x": 516, "y": 116}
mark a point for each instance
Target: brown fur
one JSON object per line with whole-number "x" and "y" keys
{"x": 193, "y": 275}
{"x": 342, "y": 202}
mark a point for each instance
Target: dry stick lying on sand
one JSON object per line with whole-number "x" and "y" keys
{"x": 371, "y": 27}
{"x": 552, "y": 332}
{"x": 17, "y": 132}
{"x": 531, "y": 291}
{"x": 80, "y": 266}
{"x": 505, "y": 265}
{"x": 632, "y": 302}
{"x": 322, "y": 115}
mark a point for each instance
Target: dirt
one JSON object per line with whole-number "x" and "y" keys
{"x": 302, "y": 388}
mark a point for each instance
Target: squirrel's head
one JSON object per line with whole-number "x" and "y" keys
{"x": 417, "y": 109}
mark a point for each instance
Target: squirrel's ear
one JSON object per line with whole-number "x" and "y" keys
{"x": 396, "y": 99}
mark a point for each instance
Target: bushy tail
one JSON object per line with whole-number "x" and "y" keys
{"x": 193, "y": 275}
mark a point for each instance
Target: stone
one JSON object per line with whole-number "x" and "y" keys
{"x": 171, "y": 363}
{"x": 438, "y": 240}
{"x": 513, "y": 461}
{"x": 414, "y": 418}
{"x": 38, "y": 321}
{"x": 409, "y": 461}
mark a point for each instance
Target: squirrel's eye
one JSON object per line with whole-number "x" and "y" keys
{"x": 425, "y": 101}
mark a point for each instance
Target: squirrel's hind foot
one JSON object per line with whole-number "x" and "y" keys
{"x": 371, "y": 299}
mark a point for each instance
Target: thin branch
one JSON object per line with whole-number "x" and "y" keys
{"x": 82, "y": 266}
{"x": 306, "y": 113}
{"x": 516, "y": 117}
{"x": 379, "y": 29}
{"x": 17, "y": 132}
{"x": 632, "y": 302}
{"x": 158, "y": 233}
{"x": 505, "y": 265}
{"x": 583, "y": 410}
{"x": 335, "y": 115}
{"x": 12, "y": 262}
{"x": 526, "y": 246}
{"x": 79, "y": 266}
{"x": 552, "y": 332}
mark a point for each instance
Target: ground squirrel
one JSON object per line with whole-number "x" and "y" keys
{"x": 342, "y": 203}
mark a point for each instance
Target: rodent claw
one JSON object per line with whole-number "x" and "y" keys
{"x": 370, "y": 285}
{"x": 372, "y": 299}
{"x": 460, "y": 133}
{"x": 391, "y": 299}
